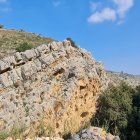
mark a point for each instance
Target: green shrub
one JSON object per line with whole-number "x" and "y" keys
{"x": 50, "y": 131}
{"x": 27, "y": 111}
{"x": 114, "y": 108}
{"x": 17, "y": 132}
{"x": 119, "y": 111}
{"x": 23, "y": 47}
{"x": 133, "y": 129}
{"x": 1, "y": 26}
{"x": 41, "y": 130}
{"x": 3, "y": 135}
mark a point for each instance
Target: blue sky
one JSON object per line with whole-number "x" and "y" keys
{"x": 110, "y": 29}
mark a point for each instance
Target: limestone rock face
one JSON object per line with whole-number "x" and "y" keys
{"x": 94, "y": 133}
{"x": 55, "y": 86}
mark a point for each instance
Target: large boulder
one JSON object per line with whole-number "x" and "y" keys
{"x": 55, "y": 86}
{"x": 94, "y": 133}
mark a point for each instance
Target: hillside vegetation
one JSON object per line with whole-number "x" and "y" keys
{"x": 11, "y": 39}
{"x": 119, "y": 111}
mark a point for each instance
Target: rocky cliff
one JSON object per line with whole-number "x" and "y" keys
{"x": 53, "y": 87}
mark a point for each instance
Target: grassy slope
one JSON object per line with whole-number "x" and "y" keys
{"x": 10, "y": 39}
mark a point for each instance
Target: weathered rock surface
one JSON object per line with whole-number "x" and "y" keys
{"x": 54, "y": 86}
{"x": 94, "y": 133}
{"x": 91, "y": 133}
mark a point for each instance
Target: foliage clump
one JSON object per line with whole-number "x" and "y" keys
{"x": 119, "y": 111}
{"x": 1, "y": 26}
{"x": 23, "y": 47}
{"x": 14, "y": 133}
{"x": 133, "y": 129}
{"x": 3, "y": 135}
{"x": 72, "y": 42}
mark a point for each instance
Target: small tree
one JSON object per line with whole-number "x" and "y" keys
{"x": 134, "y": 119}
{"x": 72, "y": 42}
{"x": 115, "y": 105}
{"x": 1, "y": 26}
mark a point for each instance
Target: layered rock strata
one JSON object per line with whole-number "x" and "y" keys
{"x": 54, "y": 86}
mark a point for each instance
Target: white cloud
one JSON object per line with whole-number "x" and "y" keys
{"x": 123, "y": 6}
{"x": 3, "y": 1}
{"x": 5, "y": 6}
{"x": 105, "y": 14}
{"x": 110, "y": 14}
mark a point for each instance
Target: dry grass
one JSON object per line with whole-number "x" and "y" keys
{"x": 11, "y": 39}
